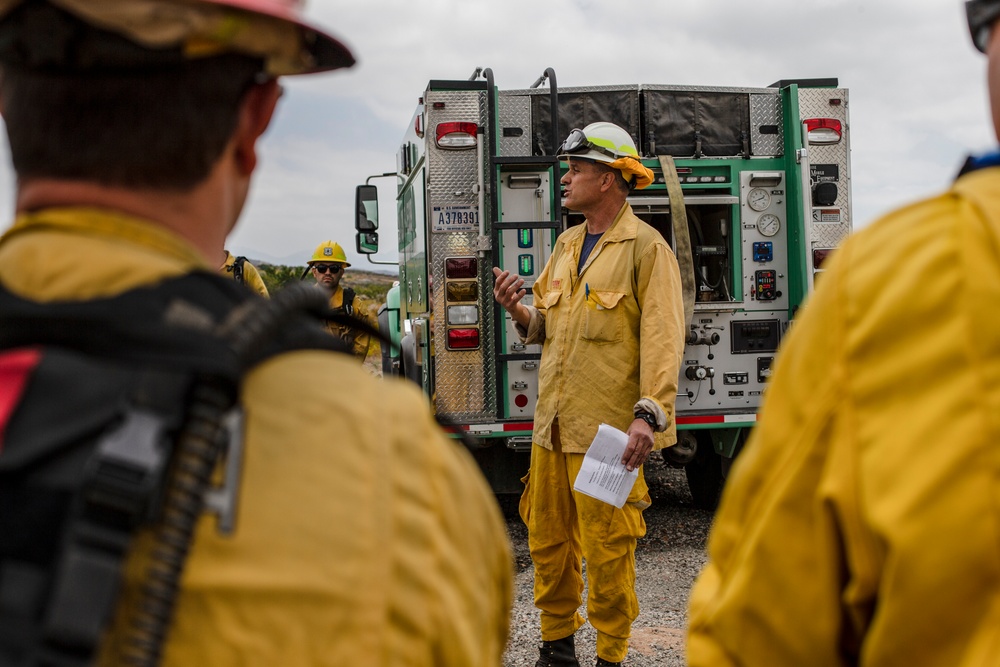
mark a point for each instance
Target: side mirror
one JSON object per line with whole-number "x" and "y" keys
{"x": 366, "y": 208}
{"x": 366, "y": 219}
{"x": 367, "y": 243}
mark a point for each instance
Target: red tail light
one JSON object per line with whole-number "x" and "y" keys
{"x": 456, "y": 135}
{"x": 461, "y": 267}
{"x": 819, "y": 256}
{"x": 823, "y": 130}
{"x": 463, "y": 339}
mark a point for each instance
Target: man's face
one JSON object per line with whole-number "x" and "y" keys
{"x": 328, "y": 274}
{"x": 586, "y": 184}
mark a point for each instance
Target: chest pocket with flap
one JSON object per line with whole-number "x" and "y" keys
{"x": 604, "y": 319}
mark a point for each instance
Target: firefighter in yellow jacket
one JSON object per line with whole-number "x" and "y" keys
{"x": 859, "y": 525}
{"x": 243, "y": 272}
{"x": 364, "y": 536}
{"x": 327, "y": 265}
{"x": 608, "y": 310}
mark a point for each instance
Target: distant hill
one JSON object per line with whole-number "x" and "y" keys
{"x": 371, "y": 284}
{"x": 298, "y": 259}
{"x": 355, "y": 277}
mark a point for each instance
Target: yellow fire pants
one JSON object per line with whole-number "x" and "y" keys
{"x": 564, "y": 527}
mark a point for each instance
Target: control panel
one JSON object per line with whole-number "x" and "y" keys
{"x": 727, "y": 359}
{"x": 763, "y": 216}
{"x": 729, "y": 352}
{"x": 765, "y": 285}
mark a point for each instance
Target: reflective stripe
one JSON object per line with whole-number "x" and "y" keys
{"x": 624, "y": 149}
{"x": 717, "y": 419}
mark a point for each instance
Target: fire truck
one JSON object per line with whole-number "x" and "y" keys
{"x": 752, "y": 192}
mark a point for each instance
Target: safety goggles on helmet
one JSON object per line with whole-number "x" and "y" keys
{"x": 981, "y": 14}
{"x": 323, "y": 268}
{"x": 577, "y": 142}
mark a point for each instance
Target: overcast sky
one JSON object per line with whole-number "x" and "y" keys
{"x": 917, "y": 90}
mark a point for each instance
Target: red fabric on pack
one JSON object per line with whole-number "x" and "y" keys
{"x": 16, "y": 367}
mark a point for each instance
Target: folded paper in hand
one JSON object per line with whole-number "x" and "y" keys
{"x": 602, "y": 475}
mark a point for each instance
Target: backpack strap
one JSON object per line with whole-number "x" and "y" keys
{"x": 238, "y": 269}
{"x": 348, "y": 303}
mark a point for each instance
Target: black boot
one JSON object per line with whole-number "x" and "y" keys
{"x": 560, "y": 653}
{"x": 601, "y": 662}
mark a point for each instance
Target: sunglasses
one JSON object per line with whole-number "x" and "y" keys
{"x": 323, "y": 268}
{"x": 981, "y": 15}
{"x": 577, "y": 142}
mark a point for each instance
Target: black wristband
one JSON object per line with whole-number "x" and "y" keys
{"x": 647, "y": 417}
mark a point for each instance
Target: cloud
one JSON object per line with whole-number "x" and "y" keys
{"x": 303, "y": 193}
{"x": 917, "y": 98}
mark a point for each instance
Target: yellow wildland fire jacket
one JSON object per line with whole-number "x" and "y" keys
{"x": 251, "y": 276}
{"x": 360, "y": 308}
{"x": 613, "y": 336}
{"x": 861, "y": 523}
{"x": 363, "y": 535}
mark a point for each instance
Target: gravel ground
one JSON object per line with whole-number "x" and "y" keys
{"x": 667, "y": 561}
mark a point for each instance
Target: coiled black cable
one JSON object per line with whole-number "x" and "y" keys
{"x": 199, "y": 447}
{"x": 252, "y": 326}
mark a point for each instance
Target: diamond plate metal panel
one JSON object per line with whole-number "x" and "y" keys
{"x": 765, "y": 110}
{"x": 515, "y": 111}
{"x": 831, "y": 103}
{"x": 464, "y": 380}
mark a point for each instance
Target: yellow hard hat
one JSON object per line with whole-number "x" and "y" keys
{"x": 328, "y": 251}
{"x": 274, "y": 30}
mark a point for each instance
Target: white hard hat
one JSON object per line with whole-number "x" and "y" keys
{"x": 600, "y": 142}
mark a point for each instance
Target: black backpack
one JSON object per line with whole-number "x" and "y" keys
{"x": 114, "y": 413}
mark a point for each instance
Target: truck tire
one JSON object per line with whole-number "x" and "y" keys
{"x": 704, "y": 474}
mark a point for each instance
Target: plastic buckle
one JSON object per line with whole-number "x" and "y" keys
{"x": 128, "y": 467}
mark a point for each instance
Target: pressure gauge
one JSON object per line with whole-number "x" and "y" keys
{"x": 768, "y": 224}
{"x": 758, "y": 199}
